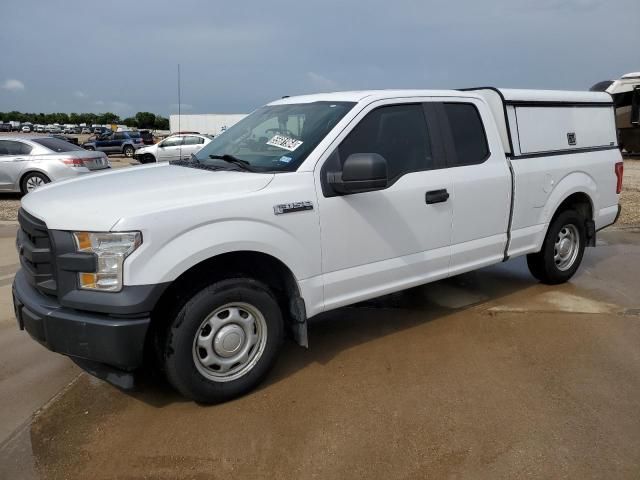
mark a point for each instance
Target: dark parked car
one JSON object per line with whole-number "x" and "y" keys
{"x": 116, "y": 142}
{"x": 147, "y": 137}
{"x": 5, "y": 127}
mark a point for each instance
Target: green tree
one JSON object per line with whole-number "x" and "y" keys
{"x": 108, "y": 117}
{"x": 130, "y": 122}
{"x": 161, "y": 123}
{"x": 145, "y": 119}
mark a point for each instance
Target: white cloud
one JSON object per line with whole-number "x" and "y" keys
{"x": 79, "y": 94}
{"x": 321, "y": 82}
{"x": 13, "y": 85}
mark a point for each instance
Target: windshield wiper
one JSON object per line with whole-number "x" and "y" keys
{"x": 235, "y": 160}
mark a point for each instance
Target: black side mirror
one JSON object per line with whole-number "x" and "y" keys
{"x": 361, "y": 172}
{"x": 635, "y": 107}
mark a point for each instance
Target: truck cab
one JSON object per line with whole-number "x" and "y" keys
{"x": 199, "y": 266}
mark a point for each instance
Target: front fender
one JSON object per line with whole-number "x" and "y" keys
{"x": 159, "y": 261}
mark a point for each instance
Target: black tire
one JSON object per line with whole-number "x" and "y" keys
{"x": 128, "y": 151}
{"x": 543, "y": 265}
{"x": 179, "y": 351}
{"x": 90, "y": 149}
{"x": 148, "y": 158}
{"x": 29, "y": 177}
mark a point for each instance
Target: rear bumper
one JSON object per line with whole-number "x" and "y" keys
{"x": 85, "y": 335}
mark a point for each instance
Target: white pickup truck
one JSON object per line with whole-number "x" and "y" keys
{"x": 308, "y": 204}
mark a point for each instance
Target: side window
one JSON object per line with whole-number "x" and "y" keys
{"x": 172, "y": 142}
{"x": 467, "y": 131}
{"x": 118, "y": 136}
{"x": 9, "y": 147}
{"x": 399, "y": 133}
{"x": 193, "y": 140}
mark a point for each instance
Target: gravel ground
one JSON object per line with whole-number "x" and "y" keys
{"x": 630, "y": 200}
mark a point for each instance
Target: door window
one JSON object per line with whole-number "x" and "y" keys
{"x": 118, "y": 136}
{"x": 172, "y": 142}
{"x": 11, "y": 147}
{"x": 399, "y": 133}
{"x": 193, "y": 140}
{"x": 469, "y": 139}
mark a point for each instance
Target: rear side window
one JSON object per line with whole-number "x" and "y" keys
{"x": 56, "y": 145}
{"x": 10, "y": 147}
{"x": 398, "y": 133}
{"x": 119, "y": 136}
{"x": 469, "y": 139}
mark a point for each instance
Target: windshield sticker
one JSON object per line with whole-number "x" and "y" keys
{"x": 285, "y": 143}
{"x": 285, "y": 159}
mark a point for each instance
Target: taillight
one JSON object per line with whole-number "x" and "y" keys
{"x": 619, "y": 171}
{"x": 73, "y": 162}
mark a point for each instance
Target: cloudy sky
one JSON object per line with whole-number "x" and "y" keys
{"x": 122, "y": 56}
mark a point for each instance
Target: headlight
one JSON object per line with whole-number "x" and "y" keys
{"x": 110, "y": 249}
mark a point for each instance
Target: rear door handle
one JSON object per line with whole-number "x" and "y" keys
{"x": 437, "y": 196}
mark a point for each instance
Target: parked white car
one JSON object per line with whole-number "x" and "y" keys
{"x": 309, "y": 204}
{"x": 174, "y": 147}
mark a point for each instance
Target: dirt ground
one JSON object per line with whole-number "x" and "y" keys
{"x": 485, "y": 375}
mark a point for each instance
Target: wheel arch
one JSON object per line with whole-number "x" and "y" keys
{"x": 29, "y": 170}
{"x": 575, "y": 192}
{"x": 244, "y": 263}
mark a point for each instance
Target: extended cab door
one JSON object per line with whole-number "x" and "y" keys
{"x": 386, "y": 240}
{"x": 481, "y": 196}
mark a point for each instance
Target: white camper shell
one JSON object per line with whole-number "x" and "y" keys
{"x": 547, "y": 122}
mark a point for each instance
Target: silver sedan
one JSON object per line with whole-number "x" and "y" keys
{"x": 29, "y": 162}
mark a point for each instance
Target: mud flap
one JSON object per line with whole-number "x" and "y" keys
{"x": 298, "y": 324}
{"x": 590, "y": 231}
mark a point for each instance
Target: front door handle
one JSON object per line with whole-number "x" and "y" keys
{"x": 437, "y": 196}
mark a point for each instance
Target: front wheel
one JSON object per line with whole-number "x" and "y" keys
{"x": 223, "y": 341}
{"x": 562, "y": 249}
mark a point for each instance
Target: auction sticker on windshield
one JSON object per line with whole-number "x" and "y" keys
{"x": 284, "y": 142}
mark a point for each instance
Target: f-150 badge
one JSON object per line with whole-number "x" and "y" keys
{"x": 292, "y": 207}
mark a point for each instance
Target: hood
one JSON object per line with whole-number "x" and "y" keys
{"x": 97, "y": 201}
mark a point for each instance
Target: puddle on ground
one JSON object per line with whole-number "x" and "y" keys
{"x": 556, "y": 301}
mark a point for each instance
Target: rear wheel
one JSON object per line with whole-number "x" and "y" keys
{"x": 33, "y": 180}
{"x": 562, "y": 249}
{"x": 128, "y": 151}
{"x": 223, "y": 341}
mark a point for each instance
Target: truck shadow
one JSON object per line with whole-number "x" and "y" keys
{"x": 346, "y": 328}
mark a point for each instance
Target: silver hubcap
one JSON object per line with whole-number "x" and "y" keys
{"x": 34, "y": 182}
{"x": 565, "y": 250}
{"x": 229, "y": 342}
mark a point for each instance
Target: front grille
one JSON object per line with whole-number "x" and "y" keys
{"x": 35, "y": 251}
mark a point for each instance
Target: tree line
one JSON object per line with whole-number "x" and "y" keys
{"x": 146, "y": 120}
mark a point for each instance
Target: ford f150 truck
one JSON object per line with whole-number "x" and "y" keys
{"x": 310, "y": 203}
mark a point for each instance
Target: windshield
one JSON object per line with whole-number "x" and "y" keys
{"x": 274, "y": 138}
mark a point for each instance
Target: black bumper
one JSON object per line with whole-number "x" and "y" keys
{"x": 86, "y": 335}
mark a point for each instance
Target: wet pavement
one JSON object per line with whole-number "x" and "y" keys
{"x": 486, "y": 375}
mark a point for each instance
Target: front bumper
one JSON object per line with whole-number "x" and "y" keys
{"x": 85, "y": 335}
